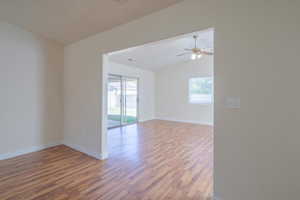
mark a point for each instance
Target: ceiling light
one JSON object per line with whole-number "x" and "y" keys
{"x": 193, "y": 56}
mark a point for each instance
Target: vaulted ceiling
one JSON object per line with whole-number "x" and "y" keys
{"x": 159, "y": 54}
{"x": 67, "y": 21}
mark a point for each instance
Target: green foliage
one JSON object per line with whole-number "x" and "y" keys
{"x": 201, "y": 86}
{"x": 127, "y": 119}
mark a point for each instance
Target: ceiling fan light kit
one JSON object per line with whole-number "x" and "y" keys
{"x": 196, "y": 56}
{"x": 193, "y": 56}
{"x": 196, "y": 53}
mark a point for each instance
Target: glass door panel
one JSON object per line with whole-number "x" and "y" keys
{"x": 130, "y": 100}
{"x": 114, "y": 101}
{"x": 122, "y": 101}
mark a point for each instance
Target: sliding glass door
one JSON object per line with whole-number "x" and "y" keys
{"x": 130, "y": 96}
{"x": 114, "y": 101}
{"x": 122, "y": 100}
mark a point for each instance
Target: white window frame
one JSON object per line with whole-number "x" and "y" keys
{"x": 201, "y": 102}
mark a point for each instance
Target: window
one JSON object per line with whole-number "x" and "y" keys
{"x": 201, "y": 90}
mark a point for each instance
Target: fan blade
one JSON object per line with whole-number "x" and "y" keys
{"x": 182, "y": 54}
{"x": 207, "y": 53}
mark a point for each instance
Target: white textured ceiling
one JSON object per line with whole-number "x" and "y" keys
{"x": 156, "y": 55}
{"x": 68, "y": 21}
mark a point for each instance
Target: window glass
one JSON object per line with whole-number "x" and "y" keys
{"x": 201, "y": 90}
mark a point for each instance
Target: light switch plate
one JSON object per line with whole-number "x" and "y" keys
{"x": 233, "y": 102}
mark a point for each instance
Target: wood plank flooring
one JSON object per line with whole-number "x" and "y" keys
{"x": 154, "y": 160}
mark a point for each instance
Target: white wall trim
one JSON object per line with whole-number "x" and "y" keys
{"x": 96, "y": 155}
{"x": 28, "y": 150}
{"x": 144, "y": 120}
{"x": 32, "y": 149}
{"x": 104, "y": 156}
{"x": 184, "y": 121}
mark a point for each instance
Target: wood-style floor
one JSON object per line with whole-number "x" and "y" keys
{"x": 149, "y": 161}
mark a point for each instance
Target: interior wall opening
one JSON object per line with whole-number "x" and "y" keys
{"x": 170, "y": 79}
{"x": 162, "y": 94}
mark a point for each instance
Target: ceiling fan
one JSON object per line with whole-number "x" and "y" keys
{"x": 196, "y": 53}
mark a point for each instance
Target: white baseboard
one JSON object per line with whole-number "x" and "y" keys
{"x": 144, "y": 120}
{"x": 83, "y": 150}
{"x": 184, "y": 121}
{"x": 104, "y": 156}
{"x": 38, "y": 148}
{"x": 28, "y": 150}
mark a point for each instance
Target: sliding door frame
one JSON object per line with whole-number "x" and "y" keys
{"x": 123, "y": 98}
{"x": 121, "y": 89}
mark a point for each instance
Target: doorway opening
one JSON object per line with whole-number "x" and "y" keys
{"x": 122, "y": 100}
{"x": 166, "y": 88}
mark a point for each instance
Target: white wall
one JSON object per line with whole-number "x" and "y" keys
{"x": 172, "y": 92}
{"x": 146, "y": 87}
{"x": 256, "y": 58}
{"x": 31, "y": 101}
